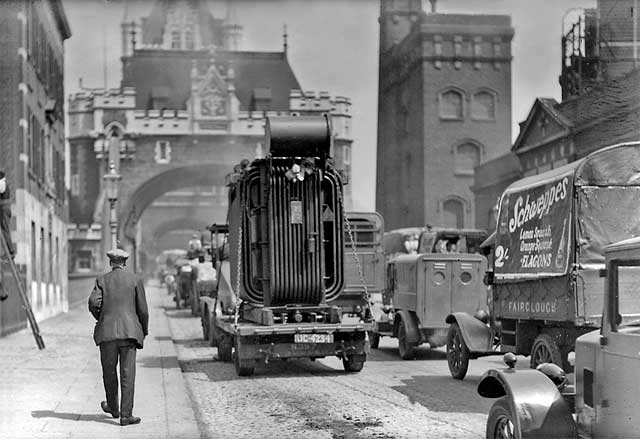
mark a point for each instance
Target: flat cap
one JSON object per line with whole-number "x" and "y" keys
{"x": 117, "y": 254}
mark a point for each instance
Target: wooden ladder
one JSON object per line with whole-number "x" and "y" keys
{"x": 26, "y": 305}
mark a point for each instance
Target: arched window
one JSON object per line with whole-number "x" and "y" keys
{"x": 176, "y": 40}
{"x": 483, "y": 106}
{"x": 451, "y": 105}
{"x": 453, "y": 213}
{"x": 466, "y": 157}
{"x": 188, "y": 40}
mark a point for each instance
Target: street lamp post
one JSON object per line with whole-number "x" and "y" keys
{"x": 111, "y": 184}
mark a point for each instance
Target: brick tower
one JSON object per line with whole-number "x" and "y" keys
{"x": 444, "y": 107}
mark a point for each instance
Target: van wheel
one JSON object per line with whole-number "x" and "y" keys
{"x": 351, "y": 365}
{"x": 545, "y": 350}
{"x": 406, "y": 350}
{"x": 241, "y": 370}
{"x": 374, "y": 340}
{"x": 500, "y": 424}
{"x": 457, "y": 353}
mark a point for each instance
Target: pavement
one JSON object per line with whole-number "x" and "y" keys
{"x": 56, "y": 392}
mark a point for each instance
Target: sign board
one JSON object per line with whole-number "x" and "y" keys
{"x": 534, "y": 230}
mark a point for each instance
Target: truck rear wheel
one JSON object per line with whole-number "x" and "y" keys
{"x": 457, "y": 353}
{"x": 406, "y": 350}
{"x": 545, "y": 350}
{"x": 241, "y": 369}
{"x": 352, "y": 365}
{"x": 225, "y": 347}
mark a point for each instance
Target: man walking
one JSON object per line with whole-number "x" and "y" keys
{"x": 119, "y": 305}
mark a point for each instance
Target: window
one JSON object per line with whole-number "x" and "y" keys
{"x": 50, "y": 273}
{"x": 453, "y": 213}
{"x": 163, "y": 152}
{"x": 457, "y": 51}
{"x": 483, "y": 106}
{"x": 451, "y": 105}
{"x": 34, "y": 240}
{"x": 624, "y": 306}
{"x": 43, "y": 277}
{"x": 83, "y": 260}
{"x": 55, "y": 276}
{"x": 188, "y": 40}
{"x": 346, "y": 154}
{"x": 75, "y": 185}
{"x": 437, "y": 49}
{"x": 176, "y": 40}
{"x": 466, "y": 158}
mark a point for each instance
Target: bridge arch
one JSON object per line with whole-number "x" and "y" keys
{"x": 141, "y": 197}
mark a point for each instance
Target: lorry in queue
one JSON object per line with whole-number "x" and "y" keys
{"x": 364, "y": 265}
{"x": 547, "y": 255}
{"x": 600, "y": 401}
{"x": 284, "y": 250}
{"x": 431, "y": 272}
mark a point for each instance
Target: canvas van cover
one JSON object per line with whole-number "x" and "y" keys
{"x": 598, "y": 197}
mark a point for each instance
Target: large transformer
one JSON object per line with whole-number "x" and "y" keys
{"x": 285, "y": 247}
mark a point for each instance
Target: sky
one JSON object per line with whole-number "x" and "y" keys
{"x": 333, "y": 46}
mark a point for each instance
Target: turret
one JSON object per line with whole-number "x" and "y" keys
{"x": 396, "y": 19}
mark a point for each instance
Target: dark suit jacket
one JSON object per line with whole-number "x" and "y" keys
{"x": 119, "y": 304}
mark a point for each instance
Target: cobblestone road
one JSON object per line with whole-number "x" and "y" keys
{"x": 390, "y": 398}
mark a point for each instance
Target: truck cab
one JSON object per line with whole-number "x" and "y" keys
{"x": 603, "y": 401}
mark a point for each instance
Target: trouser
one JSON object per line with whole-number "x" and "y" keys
{"x": 112, "y": 353}
{"x": 5, "y": 224}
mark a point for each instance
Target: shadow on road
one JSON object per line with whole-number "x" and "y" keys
{"x": 386, "y": 353}
{"x": 218, "y": 371}
{"x": 437, "y": 393}
{"x": 73, "y": 416}
{"x": 168, "y": 361}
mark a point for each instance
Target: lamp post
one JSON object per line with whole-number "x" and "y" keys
{"x": 111, "y": 184}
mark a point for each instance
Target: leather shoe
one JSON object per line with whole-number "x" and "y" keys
{"x": 130, "y": 420}
{"x": 106, "y": 409}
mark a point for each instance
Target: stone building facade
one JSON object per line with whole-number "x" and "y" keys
{"x": 32, "y": 153}
{"x": 190, "y": 107}
{"x": 444, "y": 107}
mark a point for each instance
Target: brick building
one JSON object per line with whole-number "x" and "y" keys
{"x": 191, "y": 105}
{"x": 444, "y": 107}
{"x": 600, "y": 106}
{"x": 32, "y": 153}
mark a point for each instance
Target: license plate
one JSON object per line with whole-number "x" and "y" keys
{"x": 313, "y": 338}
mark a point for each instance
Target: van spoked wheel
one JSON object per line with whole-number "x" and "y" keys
{"x": 457, "y": 353}
{"x": 500, "y": 424}
{"x": 406, "y": 350}
{"x": 545, "y": 350}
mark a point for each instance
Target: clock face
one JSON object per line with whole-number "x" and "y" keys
{"x": 212, "y": 103}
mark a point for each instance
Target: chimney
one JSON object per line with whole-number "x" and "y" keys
{"x": 433, "y": 6}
